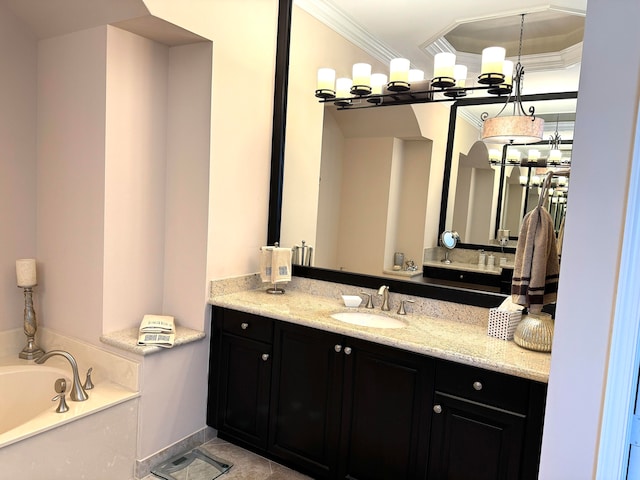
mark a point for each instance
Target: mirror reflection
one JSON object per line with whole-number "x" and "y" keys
{"x": 492, "y": 187}
{"x": 361, "y": 186}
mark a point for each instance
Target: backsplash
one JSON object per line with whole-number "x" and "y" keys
{"x": 464, "y": 255}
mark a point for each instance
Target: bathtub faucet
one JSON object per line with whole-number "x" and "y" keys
{"x": 77, "y": 392}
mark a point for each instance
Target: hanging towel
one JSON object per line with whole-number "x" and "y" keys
{"x": 536, "y": 269}
{"x": 266, "y": 254}
{"x": 281, "y": 265}
{"x": 275, "y": 264}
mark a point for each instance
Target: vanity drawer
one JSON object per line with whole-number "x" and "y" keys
{"x": 247, "y": 325}
{"x": 483, "y": 386}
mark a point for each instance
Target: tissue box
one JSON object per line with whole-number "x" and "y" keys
{"x": 502, "y": 324}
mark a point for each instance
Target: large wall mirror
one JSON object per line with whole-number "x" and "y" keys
{"x": 361, "y": 185}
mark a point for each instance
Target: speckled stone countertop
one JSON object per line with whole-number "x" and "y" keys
{"x": 128, "y": 340}
{"x": 449, "y": 339}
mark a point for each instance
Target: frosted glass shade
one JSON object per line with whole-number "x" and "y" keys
{"x": 460, "y": 74}
{"x": 507, "y": 70}
{"x": 343, "y": 87}
{"x": 361, "y": 73}
{"x": 443, "y": 65}
{"x": 495, "y": 155}
{"x": 555, "y": 156}
{"x": 516, "y": 129}
{"x": 415, "y": 75}
{"x": 492, "y": 60}
{"x": 378, "y": 82}
{"x": 326, "y": 78}
{"x": 399, "y": 70}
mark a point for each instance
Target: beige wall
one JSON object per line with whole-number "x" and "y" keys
{"x": 17, "y": 161}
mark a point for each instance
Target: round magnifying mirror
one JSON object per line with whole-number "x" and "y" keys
{"x": 449, "y": 240}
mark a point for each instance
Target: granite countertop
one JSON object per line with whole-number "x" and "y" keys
{"x": 128, "y": 340}
{"x": 446, "y": 339}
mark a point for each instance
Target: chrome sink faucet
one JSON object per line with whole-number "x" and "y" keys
{"x": 384, "y": 291}
{"x": 77, "y": 392}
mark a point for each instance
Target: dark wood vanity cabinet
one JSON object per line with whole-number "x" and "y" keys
{"x": 335, "y": 407}
{"x": 485, "y": 425}
{"x": 349, "y": 409}
{"x": 240, "y": 376}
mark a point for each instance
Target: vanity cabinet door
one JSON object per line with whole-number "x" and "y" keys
{"x": 306, "y": 396}
{"x": 386, "y": 413}
{"x": 471, "y": 440}
{"x": 240, "y": 377}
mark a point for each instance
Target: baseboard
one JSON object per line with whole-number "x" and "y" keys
{"x": 143, "y": 467}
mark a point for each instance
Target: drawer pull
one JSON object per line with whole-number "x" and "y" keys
{"x": 338, "y": 348}
{"x": 244, "y": 325}
{"x": 461, "y": 277}
{"x": 347, "y": 350}
{"x": 477, "y": 386}
{"x": 265, "y": 356}
{"x": 437, "y": 408}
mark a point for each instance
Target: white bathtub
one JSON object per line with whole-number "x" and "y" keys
{"x": 27, "y": 391}
{"x": 26, "y": 408}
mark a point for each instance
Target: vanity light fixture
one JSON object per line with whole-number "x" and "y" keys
{"x": 406, "y": 85}
{"x": 520, "y": 127}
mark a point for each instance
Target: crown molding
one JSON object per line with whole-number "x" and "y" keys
{"x": 329, "y": 14}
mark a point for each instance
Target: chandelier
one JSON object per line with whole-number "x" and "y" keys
{"x": 519, "y": 127}
{"x": 405, "y": 85}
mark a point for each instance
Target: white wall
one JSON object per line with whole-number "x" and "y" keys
{"x": 605, "y": 129}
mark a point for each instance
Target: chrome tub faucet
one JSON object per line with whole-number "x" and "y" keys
{"x": 77, "y": 392}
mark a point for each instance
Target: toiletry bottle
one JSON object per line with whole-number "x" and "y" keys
{"x": 481, "y": 258}
{"x": 491, "y": 260}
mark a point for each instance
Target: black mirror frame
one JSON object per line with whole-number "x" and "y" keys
{"x": 437, "y": 292}
{"x": 453, "y": 115}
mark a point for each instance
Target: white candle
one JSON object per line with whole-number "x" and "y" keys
{"x": 26, "y": 272}
{"x": 492, "y": 60}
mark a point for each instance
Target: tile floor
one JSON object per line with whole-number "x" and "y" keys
{"x": 246, "y": 465}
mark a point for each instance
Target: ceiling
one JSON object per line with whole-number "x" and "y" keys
{"x": 418, "y": 29}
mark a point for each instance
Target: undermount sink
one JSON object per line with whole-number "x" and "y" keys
{"x": 367, "y": 319}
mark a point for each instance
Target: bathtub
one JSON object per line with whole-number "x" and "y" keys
{"x": 27, "y": 391}
{"x": 26, "y": 406}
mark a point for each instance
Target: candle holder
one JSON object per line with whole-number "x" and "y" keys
{"x": 31, "y": 351}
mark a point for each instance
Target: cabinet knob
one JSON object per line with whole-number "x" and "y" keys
{"x": 338, "y": 348}
{"x": 477, "y": 386}
{"x": 265, "y": 356}
{"x": 437, "y": 408}
{"x": 244, "y": 325}
{"x": 461, "y": 277}
{"x": 347, "y": 350}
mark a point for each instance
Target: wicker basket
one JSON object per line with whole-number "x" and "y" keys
{"x": 502, "y": 324}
